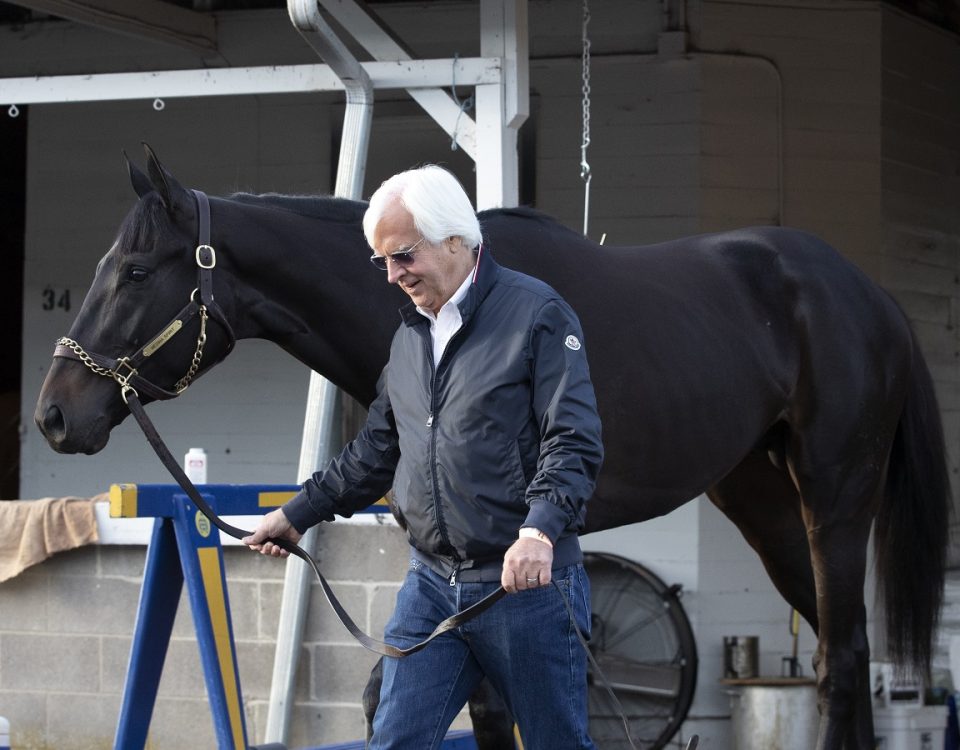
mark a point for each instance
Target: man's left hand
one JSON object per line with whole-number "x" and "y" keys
{"x": 526, "y": 565}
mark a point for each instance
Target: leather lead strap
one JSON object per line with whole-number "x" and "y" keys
{"x": 368, "y": 642}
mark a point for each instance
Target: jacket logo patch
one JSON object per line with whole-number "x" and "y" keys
{"x": 572, "y": 342}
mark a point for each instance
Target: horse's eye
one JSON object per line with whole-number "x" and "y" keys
{"x": 137, "y": 274}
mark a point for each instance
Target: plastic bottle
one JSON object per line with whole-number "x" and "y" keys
{"x": 4, "y": 734}
{"x": 195, "y": 465}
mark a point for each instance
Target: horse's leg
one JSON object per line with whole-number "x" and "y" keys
{"x": 492, "y": 722}
{"x": 371, "y": 696}
{"x": 839, "y": 486}
{"x": 764, "y": 504}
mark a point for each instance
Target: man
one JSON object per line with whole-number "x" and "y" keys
{"x": 485, "y": 425}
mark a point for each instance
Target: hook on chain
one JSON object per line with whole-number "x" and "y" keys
{"x": 585, "y": 173}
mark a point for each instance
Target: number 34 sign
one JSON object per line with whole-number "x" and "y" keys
{"x": 55, "y": 299}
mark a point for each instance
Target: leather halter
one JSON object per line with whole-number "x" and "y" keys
{"x": 125, "y": 369}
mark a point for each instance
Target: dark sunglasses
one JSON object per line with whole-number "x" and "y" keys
{"x": 401, "y": 257}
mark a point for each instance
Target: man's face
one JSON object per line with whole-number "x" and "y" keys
{"x": 435, "y": 270}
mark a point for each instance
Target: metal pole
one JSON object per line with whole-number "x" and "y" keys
{"x": 322, "y": 415}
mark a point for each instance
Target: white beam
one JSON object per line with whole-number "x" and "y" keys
{"x": 382, "y": 45}
{"x": 170, "y": 84}
{"x": 502, "y": 108}
{"x": 149, "y": 19}
{"x": 503, "y": 34}
{"x": 497, "y": 172}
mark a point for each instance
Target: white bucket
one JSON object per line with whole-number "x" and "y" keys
{"x": 910, "y": 727}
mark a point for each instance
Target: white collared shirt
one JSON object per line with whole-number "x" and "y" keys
{"x": 448, "y": 322}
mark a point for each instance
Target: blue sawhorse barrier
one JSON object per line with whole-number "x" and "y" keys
{"x": 185, "y": 546}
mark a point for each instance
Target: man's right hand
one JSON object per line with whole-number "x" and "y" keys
{"x": 274, "y": 525}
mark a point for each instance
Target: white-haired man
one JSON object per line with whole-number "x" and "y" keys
{"x": 485, "y": 425}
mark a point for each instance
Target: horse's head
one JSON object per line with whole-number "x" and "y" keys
{"x": 148, "y": 321}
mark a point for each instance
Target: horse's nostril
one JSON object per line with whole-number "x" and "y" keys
{"x": 52, "y": 424}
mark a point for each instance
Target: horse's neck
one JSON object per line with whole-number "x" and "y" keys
{"x": 305, "y": 284}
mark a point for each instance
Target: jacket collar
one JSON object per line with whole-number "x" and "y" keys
{"x": 484, "y": 278}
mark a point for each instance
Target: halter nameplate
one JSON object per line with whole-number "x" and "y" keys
{"x": 164, "y": 336}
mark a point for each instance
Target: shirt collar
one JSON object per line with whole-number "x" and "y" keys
{"x": 455, "y": 300}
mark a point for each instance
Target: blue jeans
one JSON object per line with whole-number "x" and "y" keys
{"x": 525, "y": 644}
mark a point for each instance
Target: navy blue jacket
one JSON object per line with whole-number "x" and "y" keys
{"x": 502, "y": 433}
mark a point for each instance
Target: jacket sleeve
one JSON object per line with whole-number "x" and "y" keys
{"x": 359, "y": 476}
{"x": 564, "y": 404}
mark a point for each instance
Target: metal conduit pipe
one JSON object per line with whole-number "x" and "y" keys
{"x": 321, "y": 418}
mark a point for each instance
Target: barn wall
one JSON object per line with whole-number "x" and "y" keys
{"x": 920, "y": 173}
{"x": 802, "y": 114}
{"x": 920, "y": 191}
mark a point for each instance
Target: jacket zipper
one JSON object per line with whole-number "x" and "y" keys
{"x": 434, "y": 376}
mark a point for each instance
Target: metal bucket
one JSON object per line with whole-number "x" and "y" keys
{"x": 741, "y": 656}
{"x": 781, "y": 715}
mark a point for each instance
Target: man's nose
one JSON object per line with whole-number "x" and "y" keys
{"x": 394, "y": 271}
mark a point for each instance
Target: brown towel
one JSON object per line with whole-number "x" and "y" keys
{"x": 33, "y": 530}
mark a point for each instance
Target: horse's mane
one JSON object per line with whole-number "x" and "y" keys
{"x": 523, "y": 212}
{"x": 493, "y": 216}
{"x": 313, "y": 206}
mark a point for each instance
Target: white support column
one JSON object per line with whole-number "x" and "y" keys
{"x": 502, "y": 109}
{"x": 497, "y": 174}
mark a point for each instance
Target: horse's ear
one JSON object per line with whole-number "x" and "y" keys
{"x": 141, "y": 183}
{"x": 172, "y": 193}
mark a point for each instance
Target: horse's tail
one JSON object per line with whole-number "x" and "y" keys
{"x": 911, "y": 531}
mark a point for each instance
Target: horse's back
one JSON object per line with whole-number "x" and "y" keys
{"x": 698, "y": 346}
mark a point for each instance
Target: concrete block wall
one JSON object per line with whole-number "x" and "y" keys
{"x": 66, "y": 636}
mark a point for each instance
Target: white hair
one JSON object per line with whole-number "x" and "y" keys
{"x": 434, "y": 198}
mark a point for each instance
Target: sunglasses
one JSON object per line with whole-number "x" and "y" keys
{"x": 400, "y": 257}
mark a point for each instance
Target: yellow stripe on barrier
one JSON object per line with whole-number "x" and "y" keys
{"x": 213, "y": 586}
{"x": 123, "y": 501}
{"x": 274, "y": 499}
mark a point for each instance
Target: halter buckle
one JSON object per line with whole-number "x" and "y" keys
{"x": 201, "y": 249}
{"x": 124, "y": 379}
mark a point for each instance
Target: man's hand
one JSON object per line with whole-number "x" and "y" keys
{"x": 526, "y": 565}
{"x": 274, "y": 525}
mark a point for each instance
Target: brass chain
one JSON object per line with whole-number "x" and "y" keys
{"x": 124, "y": 378}
{"x": 85, "y": 358}
{"x": 181, "y": 385}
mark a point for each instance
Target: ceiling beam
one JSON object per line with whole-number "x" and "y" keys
{"x": 147, "y": 19}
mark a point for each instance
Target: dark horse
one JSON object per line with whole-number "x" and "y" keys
{"x": 757, "y": 366}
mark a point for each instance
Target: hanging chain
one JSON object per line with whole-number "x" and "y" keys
{"x": 585, "y": 174}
